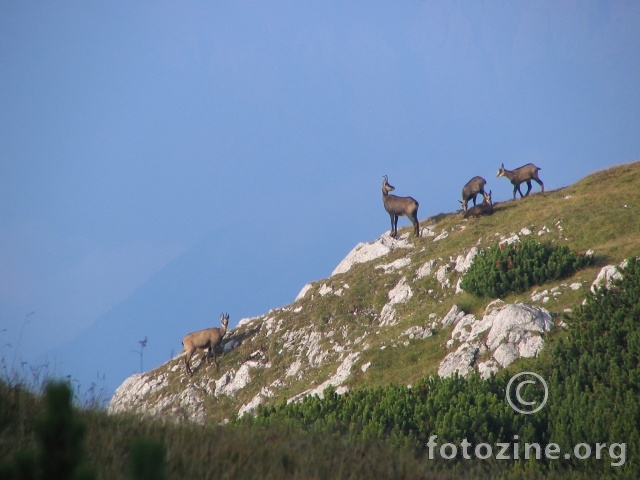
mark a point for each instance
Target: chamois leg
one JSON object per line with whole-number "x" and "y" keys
{"x": 211, "y": 352}
{"x": 528, "y": 188}
{"x": 516, "y": 188}
{"x": 539, "y": 182}
{"x": 187, "y": 358}
{"x": 394, "y": 225}
{"x": 416, "y": 224}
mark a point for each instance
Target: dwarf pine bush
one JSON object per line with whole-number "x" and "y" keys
{"x": 503, "y": 269}
{"x": 60, "y": 437}
{"x": 593, "y": 378}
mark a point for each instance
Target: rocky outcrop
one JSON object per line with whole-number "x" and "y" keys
{"x": 606, "y": 275}
{"x": 504, "y": 334}
{"x": 313, "y": 350}
{"x": 365, "y": 252}
{"x": 401, "y": 293}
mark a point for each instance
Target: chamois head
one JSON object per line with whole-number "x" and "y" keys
{"x": 386, "y": 187}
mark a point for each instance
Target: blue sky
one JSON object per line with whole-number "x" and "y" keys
{"x": 247, "y": 141}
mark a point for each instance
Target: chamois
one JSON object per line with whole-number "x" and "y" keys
{"x": 526, "y": 173}
{"x": 471, "y": 190}
{"x": 399, "y": 206}
{"x": 485, "y": 208}
{"x": 207, "y": 339}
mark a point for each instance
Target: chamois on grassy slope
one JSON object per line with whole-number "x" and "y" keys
{"x": 207, "y": 339}
{"x": 485, "y": 208}
{"x": 399, "y": 206}
{"x": 471, "y": 190}
{"x": 526, "y": 173}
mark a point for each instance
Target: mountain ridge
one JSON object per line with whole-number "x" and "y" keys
{"x": 384, "y": 315}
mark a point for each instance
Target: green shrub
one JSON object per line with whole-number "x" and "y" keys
{"x": 147, "y": 460}
{"x": 593, "y": 377}
{"x": 596, "y": 373}
{"x": 503, "y": 269}
{"x": 60, "y": 437}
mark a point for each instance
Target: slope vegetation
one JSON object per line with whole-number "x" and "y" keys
{"x": 384, "y": 315}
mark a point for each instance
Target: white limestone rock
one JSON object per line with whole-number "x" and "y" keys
{"x": 442, "y": 236}
{"x": 460, "y": 361}
{"x": 336, "y": 380}
{"x": 506, "y": 354}
{"x": 401, "y": 293}
{"x": 428, "y": 231}
{"x": 509, "y": 332}
{"x": 365, "y": 252}
{"x": 388, "y": 316}
{"x": 395, "y": 265}
{"x": 606, "y": 275}
{"x": 452, "y": 316}
{"x": 417, "y": 332}
{"x": 441, "y": 276}
{"x": 509, "y": 240}
{"x": 293, "y": 369}
{"x": 488, "y": 368}
{"x": 425, "y": 269}
{"x": 463, "y": 262}
{"x": 134, "y": 391}
{"x": 461, "y": 331}
{"x": 256, "y": 401}
{"x": 303, "y": 292}
{"x": 510, "y": 323}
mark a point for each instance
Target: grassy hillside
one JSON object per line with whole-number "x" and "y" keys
{"x": 316, "y": 332}
{"x": 298, "y": 347}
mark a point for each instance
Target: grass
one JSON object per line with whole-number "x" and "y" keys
{"x": 601, "y": 212}
{"x": 223, "y": 452}
{"x": 234, "y": 451}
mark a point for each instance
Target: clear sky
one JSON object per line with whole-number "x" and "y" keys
{"x": 220, "y": 155}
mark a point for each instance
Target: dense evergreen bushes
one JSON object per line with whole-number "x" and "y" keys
{"x": 503, "y": 269}
{"x": 593, "y": 374}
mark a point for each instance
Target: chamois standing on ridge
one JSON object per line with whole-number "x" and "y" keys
{"x": 526, "y": 173}
{"x": 399, "y": 206}
{"x": 207, "y": 339}
{"x": 471, "y": 190}
{"x": 485, "y": 208}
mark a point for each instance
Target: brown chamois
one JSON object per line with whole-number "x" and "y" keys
{"x": 399, "y": 206}
{"x": 207, "y": 339}
{"x": 471, "y": 190}
{"x": 485, "y": 208}
{"x": 526, "y": 173}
